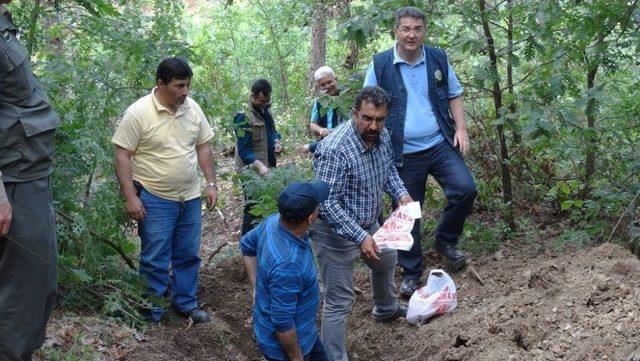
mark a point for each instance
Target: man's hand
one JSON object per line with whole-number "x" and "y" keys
{"x": 6, "y": 213}
{"x": 290, "y": 346}
{"x": 324, "y": 132}
{"x": 277, "y": 147}
{"x": 369, "y": 248}
{"x": 404, "y": 200}
{"x": 135, "y": 208}
{"x": 261, "y": 168}
{"x": 303, "y": 149}
{"x": 211, "y": 195}
{"x": 461, "y": 140}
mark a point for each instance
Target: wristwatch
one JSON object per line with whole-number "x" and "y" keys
{"x": 212, "y": 184}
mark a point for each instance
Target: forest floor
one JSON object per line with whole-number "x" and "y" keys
{"x": 535, "y": 304}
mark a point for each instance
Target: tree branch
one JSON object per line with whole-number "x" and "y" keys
{"x": 108, "y": 242}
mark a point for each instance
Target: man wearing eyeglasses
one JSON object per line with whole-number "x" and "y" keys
{"x": 429, "y": 135}
{"x": 357, "y": 163}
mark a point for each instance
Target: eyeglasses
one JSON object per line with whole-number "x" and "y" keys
{"x": 406, "y": 30}
{"x": 368, "y": 120}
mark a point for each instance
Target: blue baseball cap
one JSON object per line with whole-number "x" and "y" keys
{"x": 300, "y": 199}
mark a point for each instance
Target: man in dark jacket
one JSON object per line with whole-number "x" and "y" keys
{"x": 28, "y": 251}
{"x": 428, "y": 134}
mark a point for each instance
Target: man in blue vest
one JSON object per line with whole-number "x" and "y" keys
{"x": 428, "y": 134}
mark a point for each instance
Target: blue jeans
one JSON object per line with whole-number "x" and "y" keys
{"x": 170, "y": 236}
{"x": 447, "y": 166}
{"x": 317, "y": 353}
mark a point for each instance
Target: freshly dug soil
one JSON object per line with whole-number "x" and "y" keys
{"x": 535, "y": 304}
{"x": 582, "y": 305}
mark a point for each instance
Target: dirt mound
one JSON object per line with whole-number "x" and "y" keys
{"x": 582, "y": 305}
{"x": 534, "y": 305}
{"x": 577, "y": 306}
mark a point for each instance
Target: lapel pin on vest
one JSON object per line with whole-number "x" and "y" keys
{"x": 438, "y": 75}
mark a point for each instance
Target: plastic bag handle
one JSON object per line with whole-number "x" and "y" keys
{"x": 437, "y": 273}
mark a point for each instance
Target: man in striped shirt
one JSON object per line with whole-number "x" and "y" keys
{"x": 357, "y": 163}
{"x": 279, "y": 262}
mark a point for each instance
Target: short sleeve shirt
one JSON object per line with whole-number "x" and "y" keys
{"x": 164, "y": 146}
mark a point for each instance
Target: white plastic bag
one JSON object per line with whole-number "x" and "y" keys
{"x": 436, "y": 298}
{"x": 395, "y": 233}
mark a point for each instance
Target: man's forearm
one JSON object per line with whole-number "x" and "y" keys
{"x": 250, "y": 265}
{"x": 457, "y": 112}
{"x": 3, "y": 192}
{"x": 205, "y": 161}
{"x": 395, "y": 187}
{"x": 289, "y": 342}
{"x": 316, "y": 129}
{"x": 123, "y": 173}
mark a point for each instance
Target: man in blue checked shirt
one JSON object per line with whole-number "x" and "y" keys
{"x": 279, "y": 262}
{"x": 357, "y": 163}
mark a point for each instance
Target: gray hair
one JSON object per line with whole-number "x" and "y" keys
{"x": 371, "y": 94}
{"x": 322, "y": 71}
{"x": 409, "y": 12}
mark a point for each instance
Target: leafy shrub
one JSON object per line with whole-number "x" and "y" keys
{"x": 478, "y": 238}
{"x": 262, "y": 192}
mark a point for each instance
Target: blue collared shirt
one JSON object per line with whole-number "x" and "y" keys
{"x": 332, "y": 121}
{"x": 287, "y": 292}
{"x": 357, "y": 177}
{"x": 421, "y": 130}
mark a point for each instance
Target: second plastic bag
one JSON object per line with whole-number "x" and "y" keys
{"x": 436, "y": 298}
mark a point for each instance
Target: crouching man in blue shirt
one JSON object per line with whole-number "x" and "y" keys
{"x": 279, "y": 262}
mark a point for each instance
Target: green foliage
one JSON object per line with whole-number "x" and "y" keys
{"x": 575, "y": 238}
{"x": 96, "y": 57}
{"x": 262, "y": 192}
{"x": 95, "y": 63}
{"x": 478, "y": 238}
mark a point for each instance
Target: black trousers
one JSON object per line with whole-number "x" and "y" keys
{"x": 28, "y": 259}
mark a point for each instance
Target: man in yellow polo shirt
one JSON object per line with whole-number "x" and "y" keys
{"x": 160, "y": 141}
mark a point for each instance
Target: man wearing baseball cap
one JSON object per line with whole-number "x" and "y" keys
{"x": 279, "y": 262}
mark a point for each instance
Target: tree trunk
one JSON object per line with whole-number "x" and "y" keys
{"x": 507, "y": 193}
{"x": 318, "y": 40}
{"x": 512, "y": 106}
{"x": 351, "y": 62}
{"x": 591, "y": 138}
{"x": 33, "y": 26}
